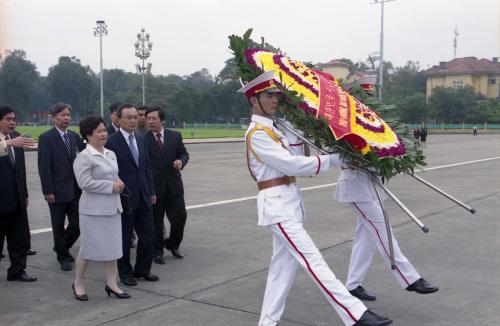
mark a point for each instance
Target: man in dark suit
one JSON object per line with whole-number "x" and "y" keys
{"x": 168, "y": 157}
{"x": 57, "y": 149}
{"x": 114, "y": 126}
{"x": 134, "y": 171}
{"x": 14, "y": 196}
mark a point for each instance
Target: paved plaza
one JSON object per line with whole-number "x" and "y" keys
{"x": 222, "y": 279}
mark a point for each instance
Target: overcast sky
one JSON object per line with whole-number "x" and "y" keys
{"x": 192, "y": 34}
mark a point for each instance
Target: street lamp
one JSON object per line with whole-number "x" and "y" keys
{"x": 101, "y": 29}
{"x": 143, "y": 47}
{"x": 381, "y": 65}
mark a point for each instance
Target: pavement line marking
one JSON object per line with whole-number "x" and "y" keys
{"x": 327, "y": 185}
{"x": 41, "y": 231}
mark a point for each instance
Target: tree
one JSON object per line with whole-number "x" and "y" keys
{"x": 20, "y": 83}
{"x": 404, "y": 81}
{"x": 74, "y": 84}
{"x": 413, "y": 108}
{"x": 452, "y": 104}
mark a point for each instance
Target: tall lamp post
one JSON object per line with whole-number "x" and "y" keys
{"x": 381, "y": 65}
{"x": 101, "y": 29}
{"x": 143, "y": 47}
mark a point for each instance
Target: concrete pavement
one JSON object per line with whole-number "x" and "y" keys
{"x": 222, "y": 280}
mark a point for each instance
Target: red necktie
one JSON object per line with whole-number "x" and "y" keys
{"x": 159, "y": 140}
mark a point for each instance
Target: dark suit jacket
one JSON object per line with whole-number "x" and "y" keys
{"x": 164, "y": 174}
{"x": 13, "y": 190}
{"x": 138, "y": 179}
{"x": 111, "y": 129}
{"x": 55, "y": 164}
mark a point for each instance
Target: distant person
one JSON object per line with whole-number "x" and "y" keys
{"x": 135, "y": 171}
{"x": 141, "y": 123}
{"x": 416, "y": 135}
{"x": 423, "y": 136}
{"x": 14, "y": 195}
{"x": 96, "y": 172}
{"x": 474, "y": 131}
{"x": 168, "y": 157}
{"x": 57, "y": 149}
{"x": 114, "y": 126}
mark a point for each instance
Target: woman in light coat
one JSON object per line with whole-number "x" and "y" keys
{"x": 96, "y": 172}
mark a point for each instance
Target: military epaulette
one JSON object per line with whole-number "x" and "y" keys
{"x": 258, "y": 127}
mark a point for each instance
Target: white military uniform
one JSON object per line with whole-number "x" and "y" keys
{"x": 354, "y": 187}
{"x": 280, "y": 209}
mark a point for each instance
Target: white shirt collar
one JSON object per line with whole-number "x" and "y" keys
{"x": 115, "y": 126}
{"x": 262, "y": 120}
{"x": 94, "y": 151}
{"x": 61, "y": 132}
{"x": 126, "y": 134}
{"x": 162, "y": 132}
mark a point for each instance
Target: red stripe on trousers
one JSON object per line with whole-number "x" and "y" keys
{"x": 314, "y": 275}
{"x": 380, "y": 239}
{"x": 319, "y": 164}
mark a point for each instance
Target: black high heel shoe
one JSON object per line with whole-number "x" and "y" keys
{"x": 79, "y": 297}
{"x": 123, "y": 295}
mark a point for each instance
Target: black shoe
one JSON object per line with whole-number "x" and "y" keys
{"x": 79, "y": 297}
{"x": 369, "y": 318}
{"x": 177, "y": 253}
{"x": 361, "y": 294}
{"x": 23, "y": 277}
{"x": 123, "y": 295}
{"x": 30, "y": 252}
{"x": 66, "y": 266}
{"x": 130, "y": 281}
{"x": 422, "y": 286}
{"x": 159, "y": 260}
{"x": 148, "y": 277}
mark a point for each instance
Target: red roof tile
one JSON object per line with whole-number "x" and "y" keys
{"x": 467, "y": 65}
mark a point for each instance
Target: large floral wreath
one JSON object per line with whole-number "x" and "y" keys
{"x": 316, "y": 103}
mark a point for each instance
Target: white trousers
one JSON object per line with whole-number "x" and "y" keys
{"x": 292, "y": 246}
{"x": 371, "y": 233}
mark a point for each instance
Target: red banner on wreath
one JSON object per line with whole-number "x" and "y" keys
{"x": 334, "y": 106}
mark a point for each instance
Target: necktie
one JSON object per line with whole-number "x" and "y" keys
{"x": 66, "y": 142}
{"x": 133, "y": 149}
{"x": 159, "y": 140}
{"x": 11, "y": 153}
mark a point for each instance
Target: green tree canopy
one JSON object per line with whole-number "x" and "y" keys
{"x": 20, "y": 84}
{"x": 70, "y": 82}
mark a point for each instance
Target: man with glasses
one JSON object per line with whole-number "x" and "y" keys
{"x": 134, "y": 171}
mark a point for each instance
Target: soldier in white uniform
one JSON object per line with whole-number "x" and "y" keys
{"x": 355, "y": 188}
{"x": 273, "y": 163}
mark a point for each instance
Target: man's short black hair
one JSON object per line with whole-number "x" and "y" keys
{"x": 89, "y": 124}
{"x": 142, "y": 108}
{"x": 58, "y": 107}
{"x": 113, "y": 107}
{"x": 124, "y": 106}
{"x": 161, "y": 113}
{"x": 4, "y": 110}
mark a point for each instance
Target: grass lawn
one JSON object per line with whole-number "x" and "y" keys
{"x": 196, "y": 133}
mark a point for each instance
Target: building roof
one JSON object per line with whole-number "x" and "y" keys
{"x": 467, "y": 65}
{"x": 333, "y": 63}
